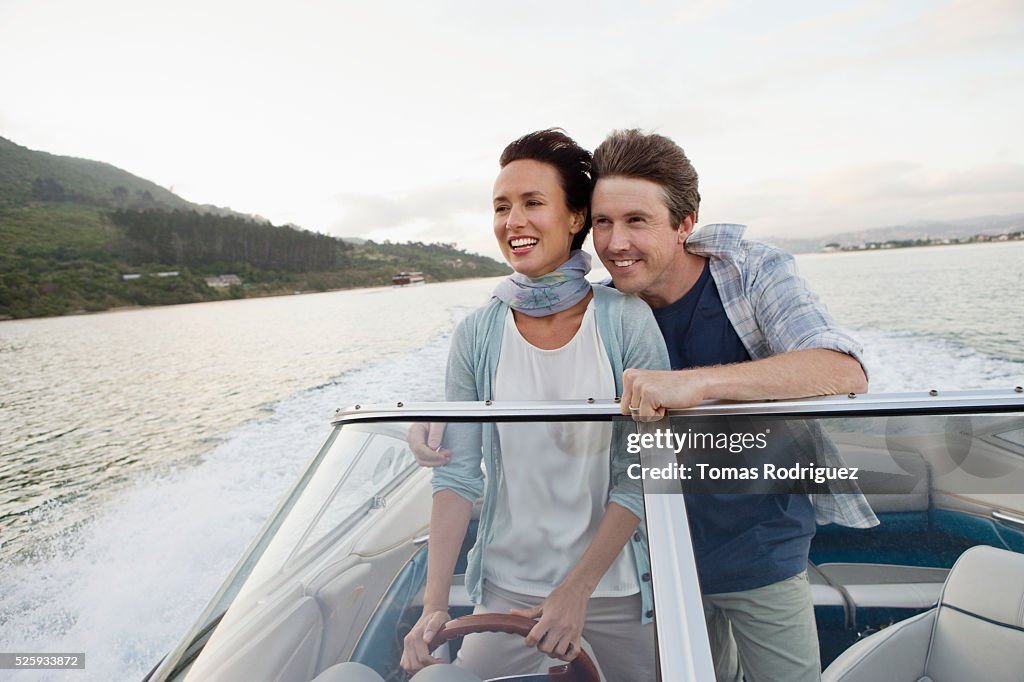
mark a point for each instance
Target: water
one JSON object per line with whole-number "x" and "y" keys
{"x": 91, "y": 402}
{"x": 942, "y": 317}
{"x": 970, "y": 295}
{"x": 142, "y": 450}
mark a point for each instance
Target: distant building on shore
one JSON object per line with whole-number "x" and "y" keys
{"x": 136, "y": 275}
{"x": 980, "y": 238}
{"x": 223, "y": 281}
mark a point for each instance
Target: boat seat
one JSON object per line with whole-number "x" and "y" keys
{"x": 876, "y": 592}
{"x": 357, "y": 672}
{"x": 830, "y": 607}
{"x": 822, "y": 592}
{"x": 894, "y": 462}
{"x": 975, "y": 633}
{"x": 348, "y": 672}
{"x": 279, "y": 642}
{"x": 339, "y": 591}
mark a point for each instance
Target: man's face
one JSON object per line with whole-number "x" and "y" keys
{"x": 636, "y": 241}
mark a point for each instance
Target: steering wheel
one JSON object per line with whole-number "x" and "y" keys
{"x": 581, "y": 669}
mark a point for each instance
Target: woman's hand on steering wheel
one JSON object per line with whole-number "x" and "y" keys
{"x": 416, "y": 652}
{"x": 559, "y": 631}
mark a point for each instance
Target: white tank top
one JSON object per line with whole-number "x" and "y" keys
{"x": 555, "y": 475}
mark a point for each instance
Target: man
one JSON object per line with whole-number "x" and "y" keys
{"x": 739, "y": 324}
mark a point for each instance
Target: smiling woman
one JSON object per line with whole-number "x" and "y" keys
{"x": 574, "y": 557}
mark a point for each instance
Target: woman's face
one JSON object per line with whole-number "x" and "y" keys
{"x": 533, "y": 225}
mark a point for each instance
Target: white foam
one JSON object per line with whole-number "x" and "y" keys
{"x": 907, "y": 361}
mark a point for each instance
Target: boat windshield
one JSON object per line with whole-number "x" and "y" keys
{"x": 878, "y": 498}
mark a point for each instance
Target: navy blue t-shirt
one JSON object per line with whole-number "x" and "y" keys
{"x": 741, "y": 541}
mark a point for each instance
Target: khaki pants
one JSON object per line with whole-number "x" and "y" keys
{"x": 766, "y": 634}
{"x": 621, "y": 646}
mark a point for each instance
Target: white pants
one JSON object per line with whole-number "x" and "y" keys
{"x": 622, "y": 647}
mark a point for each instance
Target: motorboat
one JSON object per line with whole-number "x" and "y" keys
{"x": 337, "y": 573}
{"x": 405, "y": 279}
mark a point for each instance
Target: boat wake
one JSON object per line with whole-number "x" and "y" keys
{"x": 907, "y": 361}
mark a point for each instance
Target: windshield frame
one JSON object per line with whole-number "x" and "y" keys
{"x": 671, "y": 546}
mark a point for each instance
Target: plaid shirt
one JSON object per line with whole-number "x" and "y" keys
{"x": 774, "y": 311}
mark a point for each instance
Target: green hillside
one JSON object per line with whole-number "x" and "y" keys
{"x": 30, "y": 176}
{"x": 79, "y": 235}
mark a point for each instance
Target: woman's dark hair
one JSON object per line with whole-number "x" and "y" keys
{"x": 572, "y": 162}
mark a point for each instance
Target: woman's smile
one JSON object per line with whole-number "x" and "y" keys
{"x": 522, "y": 245}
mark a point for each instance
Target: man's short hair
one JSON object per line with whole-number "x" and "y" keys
{"x": 649, "y": 156}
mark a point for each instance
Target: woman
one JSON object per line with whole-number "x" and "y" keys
{"x": 561, "y": 535}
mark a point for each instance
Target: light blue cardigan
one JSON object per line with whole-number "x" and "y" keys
{"x": 631, "y": 338}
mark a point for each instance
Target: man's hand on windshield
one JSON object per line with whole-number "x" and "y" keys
{"x": 647, "y": 393}
{"x": 425, "y": 442}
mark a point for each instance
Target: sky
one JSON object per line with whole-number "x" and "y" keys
{"x": 386, "y": 120}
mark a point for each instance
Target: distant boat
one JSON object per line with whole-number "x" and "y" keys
{"x": 405, "y": 279}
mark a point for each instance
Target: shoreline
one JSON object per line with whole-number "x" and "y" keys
{"x": 270, "y": 294}
{"x": 894, "y": 245}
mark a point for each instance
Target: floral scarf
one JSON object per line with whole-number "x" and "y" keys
{"x": 551, "y": 293}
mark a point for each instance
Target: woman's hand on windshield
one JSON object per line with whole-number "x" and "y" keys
{"x": 559, "y": 631}
{"x": 416, "y": 653}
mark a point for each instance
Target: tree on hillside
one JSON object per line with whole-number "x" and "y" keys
{"x": 203, "y": 239}
{"x": 48, "y": 189}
